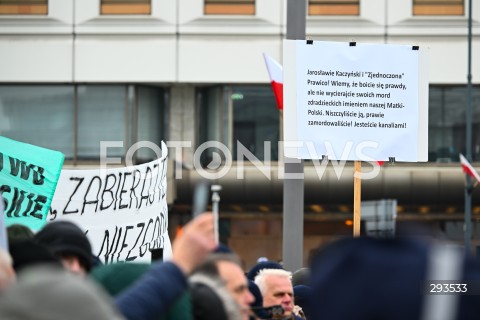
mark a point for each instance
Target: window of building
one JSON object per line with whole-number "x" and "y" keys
{"x": 248, "y": 114}
{"x": 447, "y": 123}
{"x": 75, "y": 119}
{"x": 212, "y": 118}
{"x": 125, "y": 7}
{"x": 239, "y": 7}
{"x": 101, "y": 117}
{"x": 239, "y": 116}
{"x": 255, "y": 120}
{"x": 37, "y": 7}
{"x": 438, "y": 7}
{"x": 39, "y": 115}
{"x": 150, "y": 108}
{"x": 334, "y": 7}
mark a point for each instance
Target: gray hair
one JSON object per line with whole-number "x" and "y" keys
{"x": 261, "y": 278}
{"x": 45, "y": 292}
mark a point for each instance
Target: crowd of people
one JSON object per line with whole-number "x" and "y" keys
{"x": 53, "y": 274}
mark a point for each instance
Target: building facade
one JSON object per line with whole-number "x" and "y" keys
{"x": 74, "y": 73}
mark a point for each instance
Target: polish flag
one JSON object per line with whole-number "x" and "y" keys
{"x": 468, "y": 169}
{"x": 275, "y": 70}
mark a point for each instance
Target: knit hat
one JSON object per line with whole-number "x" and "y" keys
{"x": 364, "y": 278}
{"x": 116, "y": 277}
{"x": 18, "y": 232}
{"x": 65, "y": 237}
{"x": 301, "y": 277}
{"x": 27, "y": 253}
{"x": 260, "y": 266}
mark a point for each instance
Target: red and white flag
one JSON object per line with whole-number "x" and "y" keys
{"x": 275, "y": 70}
{"x": 468, "y": 169}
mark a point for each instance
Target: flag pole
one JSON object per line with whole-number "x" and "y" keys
{"x": 468, "y": 114}
{"x": 357, "y": 197}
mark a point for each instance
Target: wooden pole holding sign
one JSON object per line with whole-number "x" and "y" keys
{"x": 357, "y": 198}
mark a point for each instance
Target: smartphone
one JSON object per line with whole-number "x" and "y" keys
{"x": 200, "y": 198}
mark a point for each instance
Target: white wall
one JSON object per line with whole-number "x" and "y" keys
{"x": 177, "y": 43}
{"x": 35, "y": 58}
{"x": 37, "y": 48}
{"x": 370, "y": 22}
{"x": 225, "y": 59}
{"x": 125, "y": 58}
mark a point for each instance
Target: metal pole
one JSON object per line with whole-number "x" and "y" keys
{"x": 293, "y": 188}
{"x": 215, "y": 200}
{"x": 468, "y": 187}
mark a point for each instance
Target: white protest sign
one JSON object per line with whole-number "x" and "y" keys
{"x": 123, "y": 210}
{"x": 355, "y": 101}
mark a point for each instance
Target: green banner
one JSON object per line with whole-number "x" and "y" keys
{"x": 28, "y": 178}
